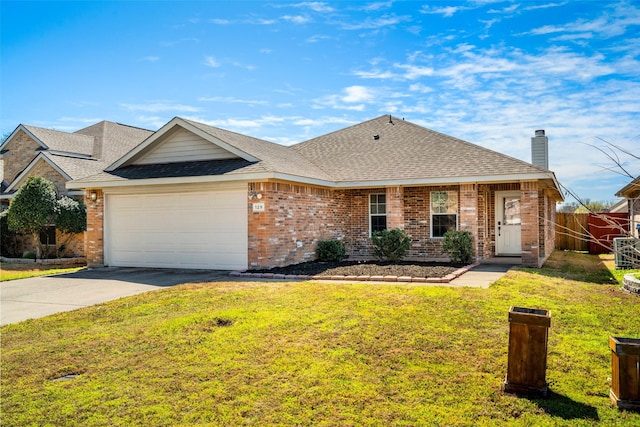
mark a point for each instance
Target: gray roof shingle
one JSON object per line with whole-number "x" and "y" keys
{"x": 62, "y": 141}
{"x": 403, "y": 150}
{"x": 400, "y": 151}
{"x": 273, "y": 157}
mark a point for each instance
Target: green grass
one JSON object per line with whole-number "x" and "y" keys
{"x": 23, "y": 271}
{"x": 283, "y": 354}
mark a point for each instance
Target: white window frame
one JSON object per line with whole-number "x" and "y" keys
{"x": 452, "y": 195}
{"x": 371, "y": 214}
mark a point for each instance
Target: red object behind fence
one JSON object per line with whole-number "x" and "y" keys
{"x": 603, "y": 228}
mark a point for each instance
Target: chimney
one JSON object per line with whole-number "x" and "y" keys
{"x": 540, "y": 150}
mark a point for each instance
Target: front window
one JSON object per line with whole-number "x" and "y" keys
{"x": 377, "y": 212}
{"x": 48, "y": 236}
{"x": 444, "y": 212}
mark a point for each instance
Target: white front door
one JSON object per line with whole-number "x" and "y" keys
{"x": 508, "y": 223}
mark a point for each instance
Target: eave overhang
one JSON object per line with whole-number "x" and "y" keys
{"x": 262, "y": 176}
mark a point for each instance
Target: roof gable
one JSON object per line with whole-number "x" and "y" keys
{"x": 180, "y": 134}
{"x": 53, "y": 140}
{"x": 181, "y": 145}
{"x": 42, "y": 157}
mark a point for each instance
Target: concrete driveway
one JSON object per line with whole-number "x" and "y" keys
{"x": 41, "y": 296}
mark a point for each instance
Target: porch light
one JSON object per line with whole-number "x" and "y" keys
{"x": 93, "y": 196}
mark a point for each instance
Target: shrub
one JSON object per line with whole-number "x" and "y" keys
{"x": 8, "y": 239}
{"x": 331, "y": 250}
{"x": 390, "y": 245}
{"x": 458, "y": 244}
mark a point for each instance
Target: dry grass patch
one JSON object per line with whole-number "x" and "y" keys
{"x": 278, "y": 353}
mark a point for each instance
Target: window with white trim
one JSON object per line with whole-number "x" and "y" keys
{"x": 444, "y": 212}
{"x": 377, "y": 212}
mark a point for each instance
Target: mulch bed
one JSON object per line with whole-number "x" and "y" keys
{"x": 369, "y": 270}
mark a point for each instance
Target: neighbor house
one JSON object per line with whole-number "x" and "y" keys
{"x": 631, "y": 195}
{"x": 61, "y": 157}
{"x": 196, "y": 196}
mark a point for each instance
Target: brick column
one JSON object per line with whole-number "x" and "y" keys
{"x": 468, "y": 220}
{"x": 395, "y": 207}
{"x": 94, "y": 236}
{"x": 530, "y": 224}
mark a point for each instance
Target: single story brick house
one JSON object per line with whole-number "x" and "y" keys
{"x": 61, "y": 157}
{"x": 196, "y": 196}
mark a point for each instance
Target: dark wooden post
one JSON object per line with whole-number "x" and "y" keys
{"x": 527, "y": 363}
{"x": 625, "y": 372}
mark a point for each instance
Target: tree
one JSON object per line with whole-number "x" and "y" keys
{"x": 617, "y": 161}
{"x": 71, "y": 219}
{"x": 33, "y": 209}
{"x": 36, "y": 207}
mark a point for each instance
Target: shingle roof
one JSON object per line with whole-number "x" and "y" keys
{"x": 62, "y": 141}
{"x": 273, "y": 157}
{"x": 382, "y": 149}
{"x": 403, "y": 150}
{"x": 113, "y": 140}
{"x": 168, "y": 170}
{"x": 90, "y": 150}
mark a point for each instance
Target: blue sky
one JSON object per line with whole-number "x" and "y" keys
{"x": 489, "y": 72}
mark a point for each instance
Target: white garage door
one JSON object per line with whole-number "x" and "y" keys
{"x": 178, "y": 230}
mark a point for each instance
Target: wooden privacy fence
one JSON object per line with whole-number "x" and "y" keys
{"x": 590, "y": 232}
{"x": 572, "y": 231}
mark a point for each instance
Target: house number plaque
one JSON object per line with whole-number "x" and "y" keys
{"x": 258, "y": 207}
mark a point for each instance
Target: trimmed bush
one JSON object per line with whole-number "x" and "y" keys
{"x": 458, "y": 244}
{"x": 331, "y": 250}
{"x": 390, "y": 245}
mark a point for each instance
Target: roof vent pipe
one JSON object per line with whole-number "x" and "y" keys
{"x": 540, "y": 149}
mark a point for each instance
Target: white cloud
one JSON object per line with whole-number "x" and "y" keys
{"x": 370, "y": 7}
{"x": 355, "y": 94}
{"x": 316, "y": 6}
{"x": 446, "y": 11}
{"x": 421, "y": 88}
{"x": 375, "y": 74}
{"x": 544, "y": 6}
{"x": 210, "y": 61}
{"x": 297, "y": 19}
{"x": 614, "y": 23}
{"x": 317, "y": 37}
{"x": 232, "y": 100}
{"x": 413, "y": 72}
{"x": 160, "y": 106}
{"x": 369, "y": 24}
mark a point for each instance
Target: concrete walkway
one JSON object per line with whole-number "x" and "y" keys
{"x": 481, "y": 276}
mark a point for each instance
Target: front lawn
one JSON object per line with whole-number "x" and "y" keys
{"x": 9, "y": 271}
{"x": 285, "y": 353}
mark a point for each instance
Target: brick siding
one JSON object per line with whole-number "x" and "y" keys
{"x": 20, "y": 152}
{"x": 529, "y": 213}
{"x": 45, "y": 170}
{"x": 295, "y": 218}
{"x": 94, "y": 236}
